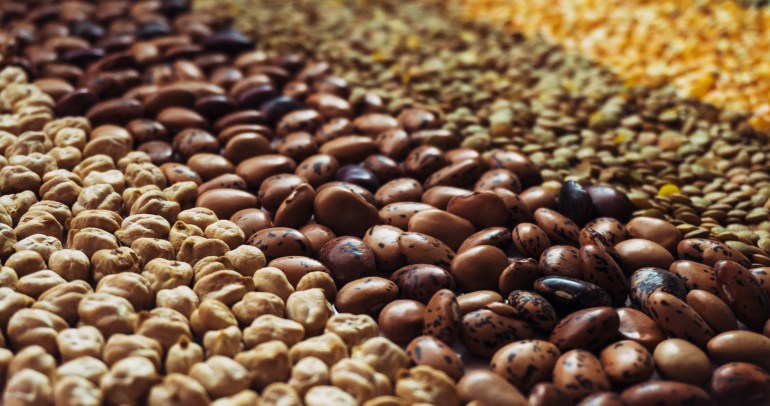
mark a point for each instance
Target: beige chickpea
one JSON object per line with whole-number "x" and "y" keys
{"x": 267, "y": 363}
{"x": 63, "y": 174}
{"x": 34, "y": 284}
{"x": 328, "y": 395}
{"x": 112, "y": 177}
{"x": 200, "y": 217}
{"x": 246, "y": 259}
{"x": 132, "y": 194}
{"x": 426, "y": 384}
{"x": 221, "y": 376}
{"x": 183, "y": 193}
{"x": 17, "y": 178}
{"x": 38, "y": 222}
{"x": 60, "y": 211}
{"x": 226, "y": 231}
{"x": 36, "y": 162}
{"x": 269, "y": 327}
{"x": 142, "y": 225}
{"x": 320, "y": 280}
{"x": 309, "y": 308}
{"x": 66, "y": 157}
{"x": 33, "y": 357}
{"x": 308, "y": 373}
{"x": 70, "y": 264}
{"x": 193, "y": 249}
{"x": 110, "y": 314}
{"x": 131, "y": 286}
{"x": 42, "y": 244}
{"x": 208, "y": 265}
{"x": 382, "y": 355}
{"x": 113, "y": 261}
{"x": 354, "y": 329}
{"x": 280, "y": 394}
{"x": 100, "y": 196}
{"x": 389, "y": 401}
{"x": 152, "y": 248}
{"x": 15, "y": 205}
{"x": 358, "y": 379}
{"x": 243, "y": 398}
{"x": 79, "y": 342}
{"x": 70, "y": 137}
{"x": 35, "y": 327}
{"x": 167, "y": 274}
{"x": 179, "y": 232}
{"x": 91, "y": 368}
{"x": 226, "y": 342}
{"x": 129, "y": 381}
{"x": 164, "y": 325}
{"x": 227, "y": 287}
{"x": 94, "y": 163}
{"x": 255, "y": 304}
{"x": 54, "y": 126}
{"x": 28, "y": 387}
{"x": 63, "y": 300}
{"x": 144, "y": 173}
{"x": 7, "y": 240}
{"x": 273, "y": 280}
{"x": 6, "y": 140}
{"x": 114, "y": 146}
{"x": 211, "y": 315}
{"x": 122, "y": 346}
{"x": 25, "y": 262}
{"x": 90, "y": 240}
{"x": 133, "y": 157}
{"x": 182, "y": 356}
{"x": 178, "y": 390}
{"x": 327, "y": 347}
{"x": 76, "y": 390}
{"x": 8, "y": 278}
{"x": 11, "y": 302}
{"x": 180, "y": 298}
{"x": 155, "y": 202}
{"x": 106, "y": 220}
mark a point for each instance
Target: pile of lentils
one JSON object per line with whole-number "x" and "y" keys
{"x": 190, "y": 217}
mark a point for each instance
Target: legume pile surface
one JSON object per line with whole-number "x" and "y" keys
{"x": 372, "y": 203}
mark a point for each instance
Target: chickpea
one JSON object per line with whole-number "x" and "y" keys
{"x": 200, "y": 217}
{"x": 70, "y": 264}
{"x": 354, "y": 329}
{"x": 63, "y": 300}
{"x": 193, "y": 249}
{"x": 80, "y": 342}
{"x": 88, "y": 367}
{"x": 179, "y": 233}
{"x": 128, "y": 381}
{"x": 211, "y": 315}
{"x": 325, "y": 395}
{"x": 121, "y": 346}
{"x": 167, "y": 274}
{"x": 177, "y": 389}
{"x": 382, "y": 355}
{"x": 110, "y": 314}
{"x": 42, "y": 244}
{"x": 28, "y": 387}
{"x": 36, "y": 283}
{"x": 255, "y": 304}
{"x": 321, "y": 280}
{"x": 221, "y": 376}
{"x": 426, "y": 384}
{"x": 226, "y": 231}
{"x": 309, "y": 308}
{"x": 226, "y": 286}
{"x": 131, "y": 286}
{"x": 90, "y": 240}
{"x": 267, "y": 362}
{"x": 164, "y": 325}
{"x": 308, "y": 373}
{"x": 183, "y": 355}
{"x": 33, "y": 357}
{"x": 246, "y": 259}
{"x": 152, "y": 248}
{"x": 243, "y": 398}
{"x": 25, "y": 262}
{"x": 180, "y": 298}
{"x": 142, "y": 226}
{"x": 327, "y": 347}
{"x": 273, "y": 280}
{"x": 226, "y": 342}
{"x": 114, "y": 261}
{"x": 35, "y": 327}
{"x": 76, "y": 390}
{"x": 268, "y": 328}
{"x": 280, "y": 394}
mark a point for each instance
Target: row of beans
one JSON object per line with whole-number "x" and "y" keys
{"x": 308, "y": 197}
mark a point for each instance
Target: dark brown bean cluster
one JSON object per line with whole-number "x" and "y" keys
{"x": 123, "y": 292}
